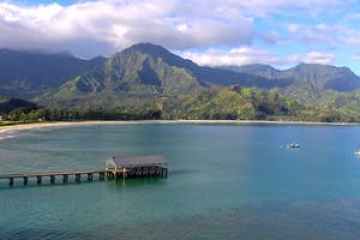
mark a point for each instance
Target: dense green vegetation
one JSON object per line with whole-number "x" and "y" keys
{"x": 147, "y": 81}
{"x": 215, "y": 104}
{"x": 231, "y": 104}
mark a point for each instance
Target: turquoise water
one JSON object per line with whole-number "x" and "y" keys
{"x": 225, "y": 182}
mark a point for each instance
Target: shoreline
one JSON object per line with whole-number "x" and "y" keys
{"x": 4, "y": 130}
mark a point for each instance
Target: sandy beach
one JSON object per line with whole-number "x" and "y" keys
{"x": 6, "y": 130}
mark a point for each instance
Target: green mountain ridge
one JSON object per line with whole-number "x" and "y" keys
{"x": 28, "y": 74}
{"x": 321, "y": 77}
{"x": 150, "y": 78}
{"x": 150, "y": 70}
{"x": 8, "y": 105}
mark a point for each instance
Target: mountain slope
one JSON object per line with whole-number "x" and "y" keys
{"x": 325, "y": 77}
{"x": 320, "y": 77}
{"x": 27, "y": 74}
{"x": 262, "y": 70}
{"x": 144, "y": 72}
{"x": 150, "y": 70}
{"x": 9, "y": 104}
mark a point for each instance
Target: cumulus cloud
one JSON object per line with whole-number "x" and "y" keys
{"x": 90, "y": 28}
{"x": 331, "y": 35}
{"x": 94, "y": 27}
{"x": 233, "y": 57}
{"x": 356, "y": 57}
{"x": 246, "y": 55}
{"x": 266, "y": 7}
{"x": 313, "y": 57}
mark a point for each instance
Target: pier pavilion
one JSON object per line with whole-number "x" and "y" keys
{"x": 136, "y": 166}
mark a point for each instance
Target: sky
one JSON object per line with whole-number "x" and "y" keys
{"x": 281, "y": 33}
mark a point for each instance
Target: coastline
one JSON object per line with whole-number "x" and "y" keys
{"x": 4, "y": 130}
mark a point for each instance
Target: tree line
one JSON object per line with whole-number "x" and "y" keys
{"x": 217, "y": 104}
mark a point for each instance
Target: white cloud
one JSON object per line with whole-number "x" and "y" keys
{"x": 94, "y": 27}
{"x": 325, "y": 34}
{"x": 233, "y": 57}
{"x": 314, "y": 57}
{"x": 246, "y": 55}
{"x": 266, "y": 7}
{"x": 356, "y": 57}
{"x": 89, "y": 28}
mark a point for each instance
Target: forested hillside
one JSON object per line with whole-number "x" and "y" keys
{"x": 148, "y": 81}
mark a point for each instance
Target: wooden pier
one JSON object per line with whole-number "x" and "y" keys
{"x": 119, "y": 167}
{"x": 52, "y": 176}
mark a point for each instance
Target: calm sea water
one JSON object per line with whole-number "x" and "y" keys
{"x": 225, "y": 182}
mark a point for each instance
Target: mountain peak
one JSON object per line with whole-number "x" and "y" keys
{"x": 157, "y": 51}
{"x": 148, "y": 48}
{"x": 146, "y": 45}
{"x": 317, "y": 67}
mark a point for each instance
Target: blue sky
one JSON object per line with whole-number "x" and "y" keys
{"x": 282, "y": 33}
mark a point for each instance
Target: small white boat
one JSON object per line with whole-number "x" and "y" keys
{"x": 293, "y": 146}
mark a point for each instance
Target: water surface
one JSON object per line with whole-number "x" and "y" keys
{"x": 225, "y": 182}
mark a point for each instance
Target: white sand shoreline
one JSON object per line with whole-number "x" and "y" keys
{"x": 23, "y": 127}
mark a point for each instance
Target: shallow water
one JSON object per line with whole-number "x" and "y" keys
{"x": 225, "y": 182}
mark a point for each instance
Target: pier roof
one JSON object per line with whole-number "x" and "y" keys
{"x": 137, "y": 161}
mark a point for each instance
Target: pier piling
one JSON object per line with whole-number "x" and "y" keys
{"x": 65, "y": 178}
{"x": 26, "y": 179}
{"x": 101, "y": 176}
{"x": 11, "y": 181}
{"x": 52, "y": 179}
{"x": 38, "y": 180}
{"x": 90, "y": 177}
{"x": 78, "y": 178}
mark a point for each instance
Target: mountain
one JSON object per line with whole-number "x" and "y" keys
{"x": 145, "y": 72}
{"x": 320, "y": 77}
{"x": 262, "y": 70}
{"x": 149, "y": 70}
{"x": 28, "y": 73}
{"x": 325, "y": 77}
{"x": 9, "y": 104}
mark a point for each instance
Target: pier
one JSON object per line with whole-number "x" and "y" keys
{"x": 136, "y": 166}
{"x": 119, "y": 167}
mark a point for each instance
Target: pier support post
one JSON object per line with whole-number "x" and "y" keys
{"x": 26, "y": 179}
{"x": 90, "y": 177}
{"x": 52, "y": 179}
{"x": 101, "y": 176}
{"x": 11, "y": 181}
{"x": 138, "y": 172}
{"x": 146, "y": 171}
{"x": 78, "y": 178}
{"x": 38, "y": 180}
{"x": 65, "y": 179}
{"x": 157, "y": 173}
{"x": 124, "y": 173}
{"x": 166, "y": 172}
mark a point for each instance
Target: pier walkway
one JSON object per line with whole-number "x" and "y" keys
{"x": 53, "y": 175}
{"x": 118, "y": 167}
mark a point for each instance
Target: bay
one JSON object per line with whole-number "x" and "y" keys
{"x": 225, "y": 182}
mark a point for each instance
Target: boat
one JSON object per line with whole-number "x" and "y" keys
{"x": 293, "y": 146}
{"x": 357, "y": 152}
